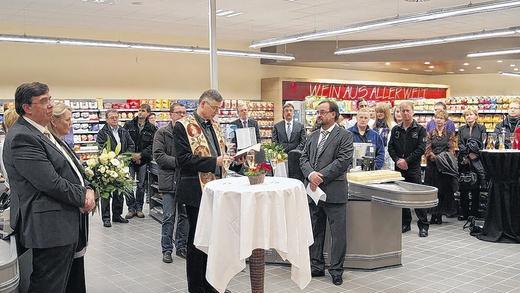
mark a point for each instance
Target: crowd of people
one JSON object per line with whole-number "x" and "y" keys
{"x": 48, "y": 187}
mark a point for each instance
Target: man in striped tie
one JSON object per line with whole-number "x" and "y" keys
{"x": 325, "y": 161}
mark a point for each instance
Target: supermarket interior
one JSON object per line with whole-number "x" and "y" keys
{"x": 104, "y": 56}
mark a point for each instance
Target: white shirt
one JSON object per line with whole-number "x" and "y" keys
{"x": 44, "y": 130}
{"x": 116, "y": 133}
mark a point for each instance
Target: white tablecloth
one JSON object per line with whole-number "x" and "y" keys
{"x": 235, "y": 218}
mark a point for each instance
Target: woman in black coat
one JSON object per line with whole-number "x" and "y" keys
{"x": 471, "y": 141}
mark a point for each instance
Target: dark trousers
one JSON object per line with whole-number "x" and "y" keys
{"x": 117, "y": 206}
{"x": 336, "y": 214}
{"x": 464, "y": 201}
{"x": 172, "y": 211}
{"x": 195, "y": 259}
{"x": 76, "y": 283}
{"x": 135, "y": 203}
{"x": 414, "y": 176}
{"x": 51, "y": 268}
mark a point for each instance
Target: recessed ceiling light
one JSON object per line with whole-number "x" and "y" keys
{"x": 500, "y": 61}
{"x": 512, "y": 65}
{"x": 450, "y": 72}
{"x": 478, "y": 67}
{"x": 387, "y": 63}
{"x": 405, "y": 69}
{"x": 427, "y": 63}
{"x": 461, "y": 70}
{"x": 516, "y": 69}
{"x": 431, "y": 66}
{"x": 465, "y": 64}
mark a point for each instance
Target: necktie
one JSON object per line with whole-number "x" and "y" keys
{"x": 288, "y": 131}
{"x": 244, "y": 123}
{"x": 324, "y": 135}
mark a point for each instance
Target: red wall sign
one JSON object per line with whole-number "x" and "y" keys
{"x": 297, "y": 91}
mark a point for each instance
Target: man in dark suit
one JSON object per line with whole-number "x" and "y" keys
{"x": 117, "y": 135}
{"x": 289, "y": 133}
{"x": 244, "y": 121}
{"x": 200, "y": 149}
{"x": 325, "y": 161}
{"x": 47, "y": 190}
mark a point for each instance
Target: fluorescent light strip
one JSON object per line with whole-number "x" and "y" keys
{"x": 427, "y": 42}
{"x": 494, "y": 53}
{"x": 387, "y": 22}
{"x": 510, "y": 74}
{"x": 141, "y": 46}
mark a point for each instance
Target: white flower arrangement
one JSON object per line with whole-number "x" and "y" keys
{"x": 109, "y": 171}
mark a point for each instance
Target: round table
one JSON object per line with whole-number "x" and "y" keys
{"x": 236, "y": 218}
{"x": 503, "y": 212}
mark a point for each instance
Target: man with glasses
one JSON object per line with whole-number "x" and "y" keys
{"x": 244, "y": 121}
{"x": 169, "y": 173}
{"x": 288, "y": 132}
{"x": 117, "y": 135}
{"x": 142, "y": 133}
{"x": 200, "y": 148}
{"x": 47, "y": 191}
{"x": 325, "y": 161}
{"x": 510, "y": 122}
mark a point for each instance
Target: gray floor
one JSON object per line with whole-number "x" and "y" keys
{"x": 127, "y": 258}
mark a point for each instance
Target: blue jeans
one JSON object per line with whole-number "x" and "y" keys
{"x": 135, "y": 203}
{"x": 170, "y": 208}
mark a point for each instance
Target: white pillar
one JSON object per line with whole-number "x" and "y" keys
{"x": 213, "y": 45}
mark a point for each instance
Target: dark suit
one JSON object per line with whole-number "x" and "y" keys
{"x": 297, "y": 140}
{"x": 127, "y": 145}
{"x": 189, "y": 193}
{"x": 333, "y": 163}
{"x": 250, "y": 123}
{"x": 46, "y": 194}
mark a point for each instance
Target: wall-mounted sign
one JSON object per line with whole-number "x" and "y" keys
{"x": 297, "y": 91}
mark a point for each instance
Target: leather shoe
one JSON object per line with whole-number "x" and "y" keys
{"x": 181, "y": 253}
{"x": 337, "y": 280}
{"x": 139, "y": 214}
{"x": 316, "y": 273}
{"x": 130, "y": 215}
{"x": 119, "y": 219}
{"x": 405, "y": 228}
{"x": 106, "y": 223}
{"x": 423, "y": 232}
{"x": 167, "y": 257}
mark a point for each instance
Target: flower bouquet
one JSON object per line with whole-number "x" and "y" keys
{"x": 274, "y": 153}
{"x": 256, "y": 174}
{"x": 109, "y": 171}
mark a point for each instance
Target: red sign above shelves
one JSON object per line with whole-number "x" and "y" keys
{"x": 297, "y": 91}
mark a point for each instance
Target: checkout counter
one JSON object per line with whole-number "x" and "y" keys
{"x": 374, "y": 238}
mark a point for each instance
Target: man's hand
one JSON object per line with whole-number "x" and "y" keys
{"x": 433, "y": 158}
{"x": 136, "y": 157}
{"x": 220, "y": 160}
{"x": 313, "y": 187}
{"x": 90, "y": 201}
{"x": 401, "y": 164}
{"x": 472, "y": 156}
{"x": 316, "y": 178}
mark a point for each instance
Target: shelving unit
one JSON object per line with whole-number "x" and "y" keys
{"x": 156, "y": 210}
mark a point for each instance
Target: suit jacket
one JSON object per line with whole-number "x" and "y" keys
{"x": 127, "y": 144}
{"x": 333, "y": 162}
{"x": 46, "y": 193}
{"x": 250, "y": 123}
{"x": 298, "y": 136}
{"x": 188, "y": 187}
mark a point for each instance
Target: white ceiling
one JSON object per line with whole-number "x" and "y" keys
{"x": 261, "y": 19}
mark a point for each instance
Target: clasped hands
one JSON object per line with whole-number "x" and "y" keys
{"x": 315, "y": 179}
{"x": 402, "y": 164}
{"x": 90, "y": 201}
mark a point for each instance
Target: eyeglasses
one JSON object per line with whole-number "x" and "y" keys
{"x": 214, "y": 107}
{"x": 322, "y": 112}
{"x": 44, "y": 101}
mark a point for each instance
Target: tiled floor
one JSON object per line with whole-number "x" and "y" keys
{"x": 127, "y": 258}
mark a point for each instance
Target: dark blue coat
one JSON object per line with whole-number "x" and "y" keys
{"x": 374, "y": 138}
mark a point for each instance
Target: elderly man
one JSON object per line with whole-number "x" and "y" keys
{"x": 244, "y": 121}
{"x": 289, "y": 133}
{"x": 324, "y": 163}
{"x": 47, "y": 190}
{"x": 165, "y": 157}
{"x": 200, "y": 149}
{"x": 510, "y": 123}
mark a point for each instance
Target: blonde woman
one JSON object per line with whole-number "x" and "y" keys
{"x": 383, "y": 125}
{"x": 59, "y": 127}
{"x": 10, "y": 117}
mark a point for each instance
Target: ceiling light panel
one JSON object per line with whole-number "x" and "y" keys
{"x": 495, "y": 53}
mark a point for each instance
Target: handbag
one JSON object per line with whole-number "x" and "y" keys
{"x": 468, "y": 180}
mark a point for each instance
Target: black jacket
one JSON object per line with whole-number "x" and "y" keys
{"x": 127, "y": 144}
{"x": 143, "y": 140}
{"x": 298, "y": 136}
{"x": 408, "y": 144}
{"x": 165, "y": 156}
{"x": 508, "y": 128}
